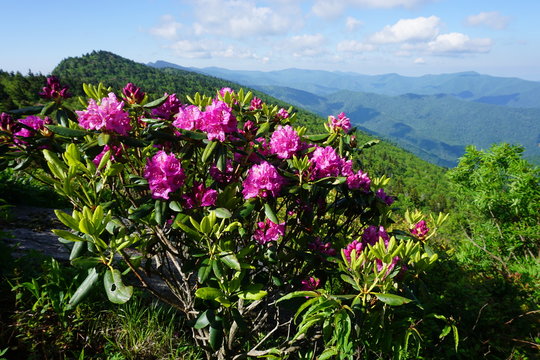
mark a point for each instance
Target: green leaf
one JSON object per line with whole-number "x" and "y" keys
{"x": 391, "y": 299}
{"x": 253, "y": 292}
{"x": 270, "y": 214}
{"x": 204, "y": 271}
{"x": 230, "y": 260}
{"x": 203, "y": 320}
{"x": 84, "y": 288}
{"x": 156, "y": 103}
{"x": 299, "y": 294}
{"x": 456, "y": 336}
{"x": 247, "y": 208}
{"x": 317, "y": 137}
{"x": 208, "y": 150}
{"x": 208, "y": 293}
{"x": 77, "y": 250}
{"x": 216, "y": 337}
{"x": 67, "y": 132}
{"x": 85, "y": 262}
{"x": 223, "y": 213}
{"x": 328, "y": 353}
{"x": 116, "y": 291}
{"x": 175, "y": 206}
{"x": 64, "y": 234}
{"x": 445, "y": 331}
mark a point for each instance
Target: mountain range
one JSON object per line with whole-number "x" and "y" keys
{"x": 433, "y": 116}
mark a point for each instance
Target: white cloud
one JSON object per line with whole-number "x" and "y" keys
{"x": 240, "y": 19}
{"x": 407, "y": 30}
{"x": 305, "y": 45}
{"x": 419, "y": 61}
{"x": 352, "y": 23}
{"x": 167, "y": 28}
{"x": 191, "y": 49}
{"x": 493, "y": 19}
{"x": 354, "y": 46}
{"x": 333, "y": 8}
{"x": 457, "y": 43}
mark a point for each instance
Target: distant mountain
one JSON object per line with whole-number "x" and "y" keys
{"x": 469, "y": 86}
{"x": 435, "y": 127}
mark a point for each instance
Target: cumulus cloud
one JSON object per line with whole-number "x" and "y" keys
{"x": 419, "y": 61}
{"x": 167, "y": 27}
{"x": 352, "y": 23}
{"x": 493, "y": 19}
{"x": 354, "y": 46}
{"x": 241, "y": 19}
{"x": 457, "y": 43}
{"x": 334, "y": 8}
{"x": 407, "y": 30}
{"x": 193, "y": 49}
{"x": 305, "y": 45}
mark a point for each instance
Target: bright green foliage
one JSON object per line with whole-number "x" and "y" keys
{"x": 499, "y": 193}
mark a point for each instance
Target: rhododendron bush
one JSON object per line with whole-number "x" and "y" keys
{"x": 272, "y": 241}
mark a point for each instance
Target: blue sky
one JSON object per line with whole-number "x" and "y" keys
{"x": 409, "y": 37}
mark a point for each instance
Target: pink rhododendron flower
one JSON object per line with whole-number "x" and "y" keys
{"x": 225, "y": 90}
{"x": 107, "y": 116}
{"x": 200, "y": 196}
{"x": 342, "y": 122}
{"x": 255, "y": 104}
{"x": 268, "y": 231}
{"x": 261, "y": 180}
{"x": 164, "y": 174}
{"x": 168, "y": 109}
{"x": 133, "y": 94}
{"x": 360, "y": 180}
{"x": 223, "y": 177}
{"x": 420, "y": 230}
{"x": 218, "y": 121}
{"x": 6, "y": 122}
{"x": 388, "y": 200}
{"x": 282, "y": 114}
{"x": 354, "y": 245}
{"x": 324, "y": 248}
{"x": 34, "y": 124}
{"x": 372, "y": 234}
{"x": 116, "y": 152}
{"x": 326, "y": 162}
{"x": 380, "y": 264}
{"x": 188, "y": 118}
{"x": 284, "y": 142}
{"x": 54, "y": 91}
{"x": 311, "y": 284}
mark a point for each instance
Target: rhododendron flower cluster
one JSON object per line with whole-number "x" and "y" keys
{"x": 188, "y": 118}
{"x": 33, "y": 123}
{"x": 268, "y": 231}
{"x": 342, "y": 122}
{"x": 133, "y": 94}
{"x": 222, "y": 177}
{"x": 116, "y": 152}
{"x": 282, "y": 114}
{"x": 200, "y": 196}
{"x": 262, "y": 179}
{"x": 388, "y": 200}
{"x": 218, "y": 121}
{"x": 354, "y": 245}
{"x": 109, "y": 115}
{"x": 311, "y": 284}
{"x": 255, "y": 104}
{"x": 326, "y": 162}
{"x": 372, "y": 234}
{"x": 54, "y": 91}
{"x": 164, "y": 174}
{"x": 360, "y": 180}
{"x": 6, "y": 122}
{"x": 420, "y": 230}
{"x": 285, "y": 142}
{"x": 169, "y": 108}
{"x": 321, "y": 247}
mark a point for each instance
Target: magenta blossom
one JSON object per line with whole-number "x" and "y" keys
{"x": 282, "y": 114}
{"x": 356, "y": 245}
{"x": 268, "y": 231}
{"x": 133, "y": 94}
{"x": 225, "y": 90}
{"x": 311, "y": 284}
{"x": 107, "y": 116}
{"x": 262, "y": 179}
{"x": 168, "y": 109}
{"x": 189, "y": 118}
{"x": 420, "y": 230}
{"x": 223, "y": 177}
{"x": 54, "y": 91}
{"x": 255, "y": 104}
{"x": 342, "y": 122}
{"x": 326, "y": 162}
{"x": 372, "y": 234}
{"x": 380, "y": 265}
{"x": 285, "y": 142}
{"x": 116, "y": 152}
{"x": 360, "y": 180}
{"x": 387, "y": 199}
{"x": 33, "y": 124}
{"x": 164, "y": 174}
{"x": 324, "y": 248}
{"x": 218, "y": 121}
{"x": 200, "y": 196}
{"x": 6, "y": 122}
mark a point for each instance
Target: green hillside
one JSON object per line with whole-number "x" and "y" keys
{"x": 435, "y": 127}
